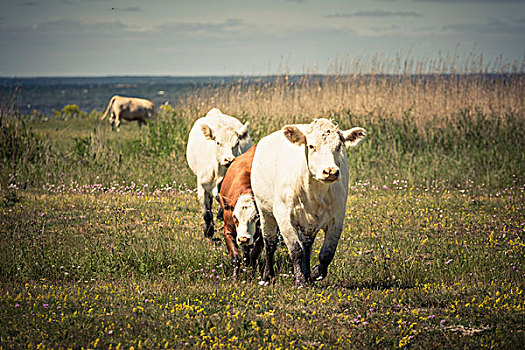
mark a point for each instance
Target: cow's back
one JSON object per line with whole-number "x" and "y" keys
{"x": 278, "y": 175}
{"x": 236, "y": 183}
{"x": 132, "y": 108}
{"x": 200, "y": 151}
{"x": 237, "y": 178}
{"x": 276, "y": 168}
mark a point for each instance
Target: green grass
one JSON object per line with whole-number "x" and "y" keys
{"x": 101, "y": 242}
{"x": 83, "y": 267}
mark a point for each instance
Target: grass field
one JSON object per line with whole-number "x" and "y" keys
{"x": 116, "y": 267}
{"x": 101, "y": 242}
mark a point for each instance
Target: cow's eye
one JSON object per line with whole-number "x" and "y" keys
{"x": 218, "y": 143}
{"x": 311, "y": 147}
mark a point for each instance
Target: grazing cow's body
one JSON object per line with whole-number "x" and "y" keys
{"x": 300, "y": 182}
{"x": 213, "y": 143}
{"x": 128, "y": 108}
{"x": 241, "y": 220}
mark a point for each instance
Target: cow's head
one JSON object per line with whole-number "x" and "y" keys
{"x": 245, "y": 217}
{"x": 227, "y": 141}
{"x": 323, "y": 142}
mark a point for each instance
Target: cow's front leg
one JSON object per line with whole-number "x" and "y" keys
{"x": 234, "y": 253}
{"x": 205, "y": 200}
{"x": 215, "y": 193}
{"x": 270, "y": 238}
{"x": 307, "y": 241}
{"x": 269, "y": 272}
{"x": 332, "y": 235}
{"x": 255, "y": 252}
{"x": 295, "y": 249}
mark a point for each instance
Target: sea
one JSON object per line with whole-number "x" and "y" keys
{"x": 47, "y": 94}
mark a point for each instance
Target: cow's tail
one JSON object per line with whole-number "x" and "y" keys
{"x": 109, "y": 107}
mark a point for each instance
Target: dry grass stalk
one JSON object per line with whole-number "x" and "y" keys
{"x": 427, "y": 89}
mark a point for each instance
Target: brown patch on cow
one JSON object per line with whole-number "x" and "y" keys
{"x": 236, "y": 183}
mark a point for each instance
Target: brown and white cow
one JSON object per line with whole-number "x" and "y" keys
{"x": 300, "y": 182}
{"x": 241, "y": 219}
{"x": 128, "y": 108}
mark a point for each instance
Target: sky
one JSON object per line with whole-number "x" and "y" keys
{"x": 246, "y": 37}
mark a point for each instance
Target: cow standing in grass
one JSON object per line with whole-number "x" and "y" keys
{"x": 128, "y": 108}
{"x": 241, "y": 219}
{"x": 214, "y": 142}
{"x": 300, "y": 181}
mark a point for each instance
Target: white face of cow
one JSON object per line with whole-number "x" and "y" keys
{"x": 245, "y": 217}
{"x": 227, "y": 142}
{"x": 324, "y": 146}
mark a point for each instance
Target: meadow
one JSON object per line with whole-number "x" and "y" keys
{"x": 102, "y": 244}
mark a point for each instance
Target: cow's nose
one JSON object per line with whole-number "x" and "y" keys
{"x": 228, "y": 160}
{"x": 331, "y": 173}
{"x": 243, "y": 239}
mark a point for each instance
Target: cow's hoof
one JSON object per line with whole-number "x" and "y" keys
{"x": 209, "y": 231}
{"x": 316, "y": 274}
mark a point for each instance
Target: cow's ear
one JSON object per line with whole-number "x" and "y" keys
{"x": 207, "y": 132}
{"x": 244, "y": 131}
{"x": 294, "y": 135}
{"x": 353, "y": 136}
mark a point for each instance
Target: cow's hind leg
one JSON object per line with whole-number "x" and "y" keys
{"x": 117, "y": 123}
{"x": 327, "y": 253}
{"x": 205, "y": 199}
{"x": 112, "y": 120}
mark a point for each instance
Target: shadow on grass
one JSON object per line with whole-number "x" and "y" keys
{"x": 375, "y": 285}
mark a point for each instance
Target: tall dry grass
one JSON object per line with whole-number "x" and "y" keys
{"x": 424, "y": 89}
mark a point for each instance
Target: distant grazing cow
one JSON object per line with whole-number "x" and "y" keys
{"x": 128, "y": 108}
{"x": 300, "y": 181}
{"x": 214, "y": 142}
{"x": 241, "y": 219}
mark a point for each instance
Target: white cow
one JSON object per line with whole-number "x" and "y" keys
{"x": 128, "y": 108}
{"x": 300, "y": 182}
{"x": 214, "y": 142}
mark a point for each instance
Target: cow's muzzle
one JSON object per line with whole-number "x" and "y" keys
{"x": 330, "y": 174}
{"x": 243, "y": 240}
{"x": 228, "y": 161}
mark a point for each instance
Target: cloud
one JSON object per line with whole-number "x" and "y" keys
{"x": 229, "y": 25}
{"x": 377, "y": 14}
{"x": 73, "y": 25}
{"x": 491, "y": 27}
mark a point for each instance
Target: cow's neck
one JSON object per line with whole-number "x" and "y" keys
{"x": 316, "y": 191}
